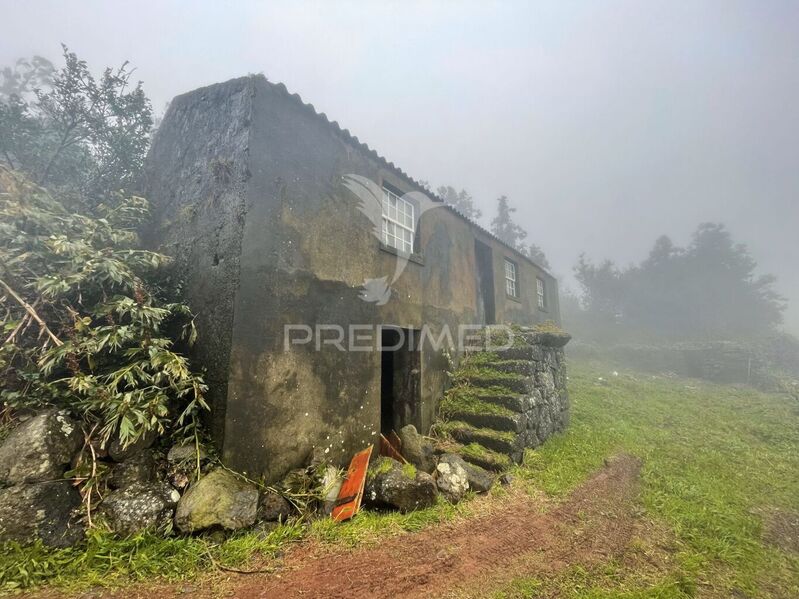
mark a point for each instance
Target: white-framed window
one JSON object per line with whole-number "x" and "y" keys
{"x": 542, "y": 296}
{"x": 399, "y": 223}
{"x": 511, "y": 279}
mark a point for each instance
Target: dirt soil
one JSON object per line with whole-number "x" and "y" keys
{"x": 594, "y": 524}
{"x": 518, "y": 536}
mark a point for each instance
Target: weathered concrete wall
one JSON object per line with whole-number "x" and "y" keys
{"x": 197, "y": 172}
{"x": 304, "y": 251}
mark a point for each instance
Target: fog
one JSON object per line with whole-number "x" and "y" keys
{"x": 607, "y": 124}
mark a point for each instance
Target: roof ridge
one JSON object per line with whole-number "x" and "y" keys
{"x": 348, "y": 136}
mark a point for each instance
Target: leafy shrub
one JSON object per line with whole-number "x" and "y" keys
{"x": 84, "y": 327}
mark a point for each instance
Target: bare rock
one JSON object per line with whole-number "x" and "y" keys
{"x": 139, "y": 468}
{"x": 40, "y": 448}
{"x": 220, "y": 498}
{"x": 140, "y": 506}
{"x": 184, "y": 453}
{"x": 480, "y": 480}
{"x": 399, "y": 486}
{"x": 273, "y": 507}
{"x": 416, "y": 450}
{"x": 120, "y": 453}
{"x": 40, "y": 511}
{"x": 452, "y": 480}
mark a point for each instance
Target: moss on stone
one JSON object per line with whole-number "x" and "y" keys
{"x": 485, "y": 456}
{"x": 452, "y": 425}
{"x": 409, "y": 471}
{"x": 467, "y": 400}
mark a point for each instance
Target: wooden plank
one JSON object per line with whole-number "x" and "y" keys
{"x": 351, "y": 493}
{"x": 395, "y": 441}
{"x": 388, "y": 450}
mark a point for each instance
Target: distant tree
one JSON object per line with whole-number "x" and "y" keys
{"x": 536, "y": 254}
{"x": 708, "y": 290}
{"x": 25, "y": 77}
{"x": 504, "y": 227}
{"x": 82, "y": 136}
{"x": 461, "y": 200}
{"x": 602, "y": 293}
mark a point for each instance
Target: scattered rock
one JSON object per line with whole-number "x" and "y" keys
{"x": 118, "y": 453}
{"x": 184, "y": 453}
{"x": 480, "y": 480}
{"x": 273, "y": 507}
{"x": 452, "y": 480}
{"x": 139, "y": 506}
{"x": 40, "y": 448}
{"x": 416, "y": 450}
{"x": 399, "y": 486}
{"x": 220, "y": 498}
{"x": 505, "y": 479}
{"x": 139, "y": 468}
{"x": 40, "y": 511}
{"x": 331, "y": 486}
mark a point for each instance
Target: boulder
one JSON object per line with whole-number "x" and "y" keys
{"x": 139, "y": 468}
{"x": 402, "y": 487}
{"x": 120, "y": 453}
{"x": 452, "y": 480}
{"x": 480, "y": 480}
{"x": 273, "y": 507}
{"x": 220, "y": 498}
{"x": 40, "y": 511}
{"x": 40, "y": 448}
{"x": 184, "y": 453}
{"x": 139, "y": 506}
{"x": 416, "y": 450}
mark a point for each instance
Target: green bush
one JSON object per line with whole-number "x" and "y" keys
{"x": 84, "y": 327}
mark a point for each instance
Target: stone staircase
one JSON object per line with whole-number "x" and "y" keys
{"x": 503, "y": 402}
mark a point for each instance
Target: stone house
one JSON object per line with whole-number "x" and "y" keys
{"x": 280, "y": 218}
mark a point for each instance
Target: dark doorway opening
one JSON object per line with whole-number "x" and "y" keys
{"x": 400, "y": 368}
{"x": 485, "y": 281}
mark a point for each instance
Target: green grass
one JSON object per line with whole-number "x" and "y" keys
{"x": 713, "y": 456}
{"x": 452, "y": 425}
{"x": 467, "y": 400}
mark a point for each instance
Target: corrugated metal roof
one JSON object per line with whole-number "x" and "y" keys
{"x": 352, "y": 139}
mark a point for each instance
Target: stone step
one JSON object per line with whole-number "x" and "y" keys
{"x": 476, "y": 454}
{"x": 531, "y": 353}
{"x": 520, "y": 367}
{"x": 510, "y": 401}
{"x": 514, "y": 383}
{"x": 514, "y": 423}
{"x": 510, "y": 444}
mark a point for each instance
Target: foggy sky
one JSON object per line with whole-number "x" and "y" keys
{"x": 607, "y": 124}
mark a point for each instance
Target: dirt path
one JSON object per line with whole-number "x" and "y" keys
{"x": 595, "y": 523}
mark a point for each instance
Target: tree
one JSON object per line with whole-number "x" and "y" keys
{"x": 85, "y": 137}
{"x": 84, "y": 326}
{"x": 536, "y": 254}
{"x": 707, "y": 290}
{"x": 461, "y": 200}
{"x": 25, "y": 77}
{"x": 505, "y": 228}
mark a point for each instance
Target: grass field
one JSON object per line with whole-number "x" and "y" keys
{"x": 720, "y": 464}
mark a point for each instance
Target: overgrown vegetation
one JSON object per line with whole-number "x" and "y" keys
{"x": 85, "y": 327}
{"x": 714, "y": 457}
{"x": 82, "y": 137}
